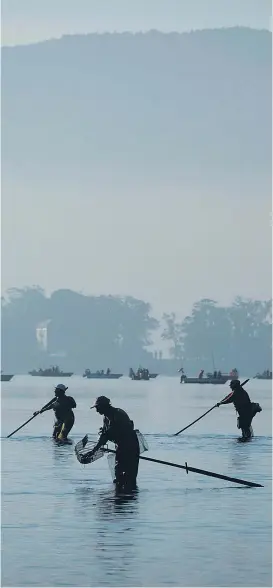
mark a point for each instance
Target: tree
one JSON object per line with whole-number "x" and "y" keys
{"x": 224, "y": 337}
{"x": 83, "y": 331}
{"x": 173, "y": 333}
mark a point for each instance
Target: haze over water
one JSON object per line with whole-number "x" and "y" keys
{"x": 63, "y": 526}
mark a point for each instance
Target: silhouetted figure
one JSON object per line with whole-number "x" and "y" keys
{"x": 64, "y": 414}
{"x": 245, "y": 408}
{"x": 118, "y": 428}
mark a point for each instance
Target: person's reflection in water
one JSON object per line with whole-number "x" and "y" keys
{"x": 62, "y": 454}
{"x": 239, "y": 458}
{"x": 117, "y": 534}
{"x": 118, "y": 503}
{"x": 113, "y": 525}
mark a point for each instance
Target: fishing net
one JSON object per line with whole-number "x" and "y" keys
{"x": 83, "y": 449}
{"x": 111, "y": 459}
{"x": 143, "y": 445}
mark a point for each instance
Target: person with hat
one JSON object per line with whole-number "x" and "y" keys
{"x": 244, "y": 407}
{"x": 64, "y": 414}
{"x": 118, "y": 428}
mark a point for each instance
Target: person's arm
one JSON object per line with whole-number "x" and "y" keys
{"x": 104, "y": 437}
{"x": 228, "y": 400}
{"x": 48, "y": 406}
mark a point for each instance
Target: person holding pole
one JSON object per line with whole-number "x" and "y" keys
{"x": 244, "y": 407}
{"x": 64, "y": 414}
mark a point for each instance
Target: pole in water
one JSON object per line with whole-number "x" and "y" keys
{"x": 31, "y": 418}
{"x": 198, "y": 471}
{"x": 205, "y": 413}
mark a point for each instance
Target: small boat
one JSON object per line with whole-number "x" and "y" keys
{"x": 6, "y": 377}
{"x": 222, "y": 380}
{"x": 141, "y": 374}
{"x": 52, "y": 372}
{"x": 153, "y": 376}
{"x": 233, "y": 375}
{"x": 101, "y": 375}
{"x": 267, "y": 375}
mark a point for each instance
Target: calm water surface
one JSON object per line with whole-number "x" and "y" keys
{"x": 63, "y": 526}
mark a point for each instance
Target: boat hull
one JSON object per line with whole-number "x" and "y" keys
{"x": 263, "y": 377}
{"x": 51, "y": 375}
{"x": 139, "y": 378}
{"x": 102, "y": 376}
{"x": 153, "y": 375}
{"x": 214, "y": 381}
{"x": 6, "y": 377}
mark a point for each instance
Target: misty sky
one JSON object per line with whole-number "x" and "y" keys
{"x": 25, "y": 21}
{"x": 180, "y": 257}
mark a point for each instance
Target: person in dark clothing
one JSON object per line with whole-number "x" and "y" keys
{"x": 244, "y": 407}
{"x": 64, "y": 414}
{"x": 118, "y": 428}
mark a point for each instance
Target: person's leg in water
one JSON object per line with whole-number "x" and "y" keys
{"x": 244, "y": 423}
{"x": 119, "y": 469}
{"x": 57, "y": 428}
{"x": 128, "y": 466}
{"x": 131, "y": 471}
{"x": 66, "y": 428}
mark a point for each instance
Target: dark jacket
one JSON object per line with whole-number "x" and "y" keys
{"x": 240, "y": 399}
{"x": 63, "y": 408}
{"x": 118, "y": 428}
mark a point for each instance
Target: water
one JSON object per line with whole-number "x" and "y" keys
{"x": 63, "y": 526}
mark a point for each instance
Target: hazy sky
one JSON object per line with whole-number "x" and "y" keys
{"x": 180, "y": 256}
{"x": 25, "y": 21}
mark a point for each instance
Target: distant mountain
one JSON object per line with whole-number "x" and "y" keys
{"x": 178, "y": 101}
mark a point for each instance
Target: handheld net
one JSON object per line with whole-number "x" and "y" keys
{"x": 143, "y": 445}
{"x": 83, "y": 449}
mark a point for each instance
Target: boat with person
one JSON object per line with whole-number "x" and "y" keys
{"x": 215, "y": 378}
{"x": 6, "y": 377}
{"x": 266, "y": 375}
{"x": 215, "y": 381}
{"x": 52, "y": 372}
{"x": 140, "y": 374}
{"x": 101, "y": 375}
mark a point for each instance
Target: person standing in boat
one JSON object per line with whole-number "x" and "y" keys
{"x": 118, "y": 428}
{"x": 244, "y": 407}
{"x": 64, "y": 414}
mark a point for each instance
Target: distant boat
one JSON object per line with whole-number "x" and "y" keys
{"x": 52, "y": 372}
{"x": 141, "y": 374}
{"x": 265, "y": 376}
{"x": 222, "y": 380}
{"x": 234, "y": 375}
{"x": 6, "y": 377}
{"x": 101, "y": 375}
{"x": 153, "y": 375}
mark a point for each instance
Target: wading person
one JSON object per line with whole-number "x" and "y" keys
{"x": 64, "y": 414}
{"x": 118, "y": 428}
{"x": 245, "y": 408}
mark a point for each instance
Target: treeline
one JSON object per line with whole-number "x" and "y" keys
{"x": 236, "y": 336}
{"x": 97, "y": 332}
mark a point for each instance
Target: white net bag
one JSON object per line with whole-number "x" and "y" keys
{"x": 143, "y": 445}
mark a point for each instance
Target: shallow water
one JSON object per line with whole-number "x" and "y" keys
{"x": 63, "y": 526}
